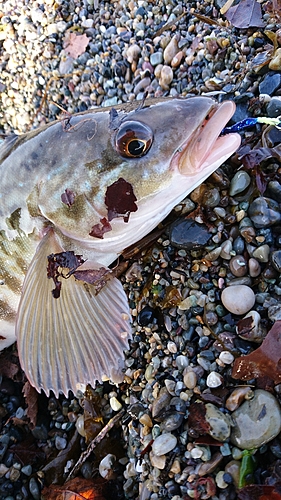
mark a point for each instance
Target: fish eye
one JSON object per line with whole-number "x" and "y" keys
{"x": 133, "y": 139}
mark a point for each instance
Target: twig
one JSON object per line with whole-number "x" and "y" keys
{"x": 94, "y": 443}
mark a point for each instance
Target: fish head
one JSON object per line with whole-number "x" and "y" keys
{"x": 127, "y": 168}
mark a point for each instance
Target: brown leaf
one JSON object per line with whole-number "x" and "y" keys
{"x": 31, "y": 398}
{"x": 75, "y": 45}
{"x": 264, "y": 361}
{"x": 196, "y": 418}
{"x": 259, "y": 492}
{"x": 27, "y": 452}
{"x": 76, "y": 489}
{"x": 246, "y": 14}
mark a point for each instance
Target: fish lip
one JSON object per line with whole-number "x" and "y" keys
{"x": 206, "y": 145}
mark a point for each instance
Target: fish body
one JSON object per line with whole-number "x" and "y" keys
{"x": 73, "y": 195}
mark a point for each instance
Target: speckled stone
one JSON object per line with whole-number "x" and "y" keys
{"x": 164, "y": 443}
{"x": 257, "y": 421}
{"x": 238, "y": 299}
{"x": 218, "y": 421}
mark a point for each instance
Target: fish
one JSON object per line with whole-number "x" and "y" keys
{"x": 74, "y": 194}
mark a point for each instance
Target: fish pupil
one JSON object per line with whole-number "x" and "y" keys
{"x": 136, "y": 147}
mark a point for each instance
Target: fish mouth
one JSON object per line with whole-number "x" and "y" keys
{"x": 207, "y": 147}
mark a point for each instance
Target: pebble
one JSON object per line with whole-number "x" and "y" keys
{"x": 275, "y": 62}
{"x": 219, "y": 423}
{"x": 264, "y": 212}
{"x": 166, "y": 77}
{"x": 250, "y": 328}
{"x": 238, "y": 299}
{"x": 270, "y": 83}
{"x": 226, "y": 357}
{"x": 254, "y": 267}
{"x": 237, "y": 396}
{"x": 115, "y": 404}
{"x": 60, "y": 443}
{"x": 158, "y": 461}
{"x": 34, "y": 489}
{"x": 171, "y": 50}
{"x": 220, "y": 480}
{"x": 276, "y": 260}
{"x": 256, "y": 421}
{"x": 190, "y": 379}
{"x": 164, "y": 443}
{"x": 261, "y": 253}
{"x": 239, "y": 182}
{"x": 214, "y": 379}
{"x": 188, "y": 234}
{"x": 238, "y": 266}
{"x": 106, "y": 466}
{"x": 273, "y": 108}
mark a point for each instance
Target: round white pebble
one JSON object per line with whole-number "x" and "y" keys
{"x": 164, "y": 443}
{"x": 114, "y": 403}
{"x": 214, "y": 379}
{"x": 226, "y": 357}
{"x": 238, "y": 299}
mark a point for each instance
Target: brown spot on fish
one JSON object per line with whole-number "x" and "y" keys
{"x": 68, "y": 197}
{"x": 98, "y": 230}
{"x": 120, "y": 200}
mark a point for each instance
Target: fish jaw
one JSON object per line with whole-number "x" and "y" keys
{"x": 201, "y": 152}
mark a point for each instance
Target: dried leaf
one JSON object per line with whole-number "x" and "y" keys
{"x": 8, "y": 368}
{"x": 76, "y": 489}
{"x": 246, "y": 14}
{"x": 196, "y": 418}
{"x": 75, "y": 45}
{"x": 27, "y": 452}
{"x": 264, "y": 361}
{"x": 31, "y": 399}
{"x": 259, "y": 492}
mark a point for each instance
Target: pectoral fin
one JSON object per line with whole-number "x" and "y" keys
{"x": 74, "y": 339}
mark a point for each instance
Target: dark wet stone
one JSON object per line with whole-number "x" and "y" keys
{"x": 276, "y": 260}
{"x": 239, "y": 245}
{"x": 40, "y": 432}
{"x": 270, "y": 83}
{"x": 264, "y": 212}
{"x": 146, "y": 316}
{"x": 268, "y": 237}
{"x": 273, "y": 108}
{"x": 244, "y": 346}
{"x": 171, "y": 422}
{"x": 188, "y": 234}
{"x": 274, "y": 189}
{"x": 86, "y": 470}
{"x": 242, "y": 102}
{"x": 34, "y": 489}
{"x": 4, "y": 442}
